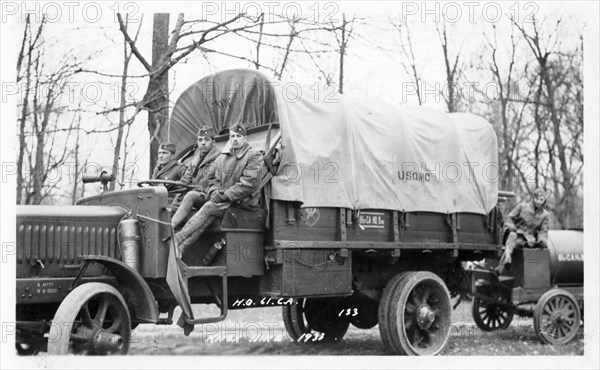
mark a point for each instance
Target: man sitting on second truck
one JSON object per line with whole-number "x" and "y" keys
{"x": 236, "y": 181}
{"x": 527, "y": 225}
{"x": 200, "y": 171}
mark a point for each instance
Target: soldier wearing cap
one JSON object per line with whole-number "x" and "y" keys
{"x": 236, "y": 181}
{"x": 527, "y": 225}
{"x": 167, "y": 168}
{"x": 200, "y": 171}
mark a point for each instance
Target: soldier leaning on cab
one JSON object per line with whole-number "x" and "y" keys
{"x": 200, "y": 172}
{"x": 168, "y": 168}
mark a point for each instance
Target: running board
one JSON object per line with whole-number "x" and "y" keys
{"x": 204, "y": 271}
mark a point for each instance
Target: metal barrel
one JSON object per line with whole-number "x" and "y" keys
{"x": 566, "y": 256}
{"x": 129, "y": 237}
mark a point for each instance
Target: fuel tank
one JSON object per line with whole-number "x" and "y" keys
{"x": 566, "y": 256}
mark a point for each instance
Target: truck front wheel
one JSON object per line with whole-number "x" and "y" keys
{"x": 92, "y": 320}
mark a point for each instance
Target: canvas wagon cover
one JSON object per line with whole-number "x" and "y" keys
{"x": 361, "y": 153}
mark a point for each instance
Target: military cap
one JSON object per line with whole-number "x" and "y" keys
{"x": 239, "y": 128}
{"x": 206, "y": 131}
{"x": 168, "y": 146}
{"x": 539, "y": 192}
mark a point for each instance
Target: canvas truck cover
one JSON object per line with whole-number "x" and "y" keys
{"x": 221, "y": 99}
{"x": 360, "y": 153}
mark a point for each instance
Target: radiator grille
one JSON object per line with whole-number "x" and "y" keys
{"x": 57, "y": 243}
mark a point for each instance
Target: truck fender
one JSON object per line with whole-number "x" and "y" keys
{"x": 138, "y": 296}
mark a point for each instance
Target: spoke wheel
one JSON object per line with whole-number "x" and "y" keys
{"x": 556, "y": 317}
{"x": 315, "y": 320}
{"x": 92, "y": 320}
{"x": 418, "y": 315}
{"x": 490, "y": 316}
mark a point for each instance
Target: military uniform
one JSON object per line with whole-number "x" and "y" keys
{"x": 527, "y": 226}
{"x": 200, "y": 172}
{"x": 236, "y": 182}
{"x": 201, "y": 169}
{"x": 172, "y": 170}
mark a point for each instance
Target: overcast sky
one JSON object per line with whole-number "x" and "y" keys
{"x": 372, "y": 65}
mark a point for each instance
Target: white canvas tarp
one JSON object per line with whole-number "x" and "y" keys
{"x": 362, "y": 154}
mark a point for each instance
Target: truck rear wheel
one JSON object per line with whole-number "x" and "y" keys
{"x": 383, "y": 313}
{"x": 556, "y": 317}
{"x": 92, "y": 320}
{"x": 416, "y": 314}
{"x": 315, "y": 320}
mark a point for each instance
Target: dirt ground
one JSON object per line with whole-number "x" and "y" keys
{"x": 260, "y": 331}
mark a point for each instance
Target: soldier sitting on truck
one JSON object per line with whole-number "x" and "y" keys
{"x": 200, "y": 171}
{"x": 168, "y": 168}
{"x": 527, "y": 225}
{"x": 236, "y": 181}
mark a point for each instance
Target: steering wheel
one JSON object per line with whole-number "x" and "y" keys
{"x": 177, "y": 188}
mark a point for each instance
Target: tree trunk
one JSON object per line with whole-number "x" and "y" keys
{"x": 157, "y": 96}
{"x": 35, "y": 195}
{"x": 565, "y": 217}
{"x": 259, "y": 43}
{"x": 342, "y": 53}
{"x": 123, "y": 97}
{"x": 23, "y": 117}
{"x": 76, "y": 169}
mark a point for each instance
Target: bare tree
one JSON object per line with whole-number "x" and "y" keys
{"x": 28, "y": 47}
{"x": 293, "y": 23}
{"x": 509, "y": 112}
{"x": 343, "y": 34}
{"x": 46, "y": 122}
{"x": 452, "y": 64}
{"x": 557, "y": 111}
{"x": 155, "y": 100}
{"x": 259, "y": 41}
{"x": 76, "y": 166}
{"x": 127, "y": 54}
{"x": 408, "y": 56}
{"x": 44, "y": 109}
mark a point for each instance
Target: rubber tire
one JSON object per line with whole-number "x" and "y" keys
{"x": 296, "y": 324}
{"x": 62, "y": 324}
{"x": 383, "y": 313}
{"x": 538, "y": 316}
{"x": 367, "y": 315}
{"x": 398, "y": 341}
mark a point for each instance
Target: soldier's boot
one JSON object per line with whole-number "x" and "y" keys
{"x": 184, "y": 209}
{"x": 506, "y": 260}
{"x": 192, "y": 231}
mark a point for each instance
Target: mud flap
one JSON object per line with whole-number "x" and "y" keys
{"x": 179, "y": 288}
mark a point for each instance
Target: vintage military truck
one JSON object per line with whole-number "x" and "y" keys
{"x": 367, "y": 218}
